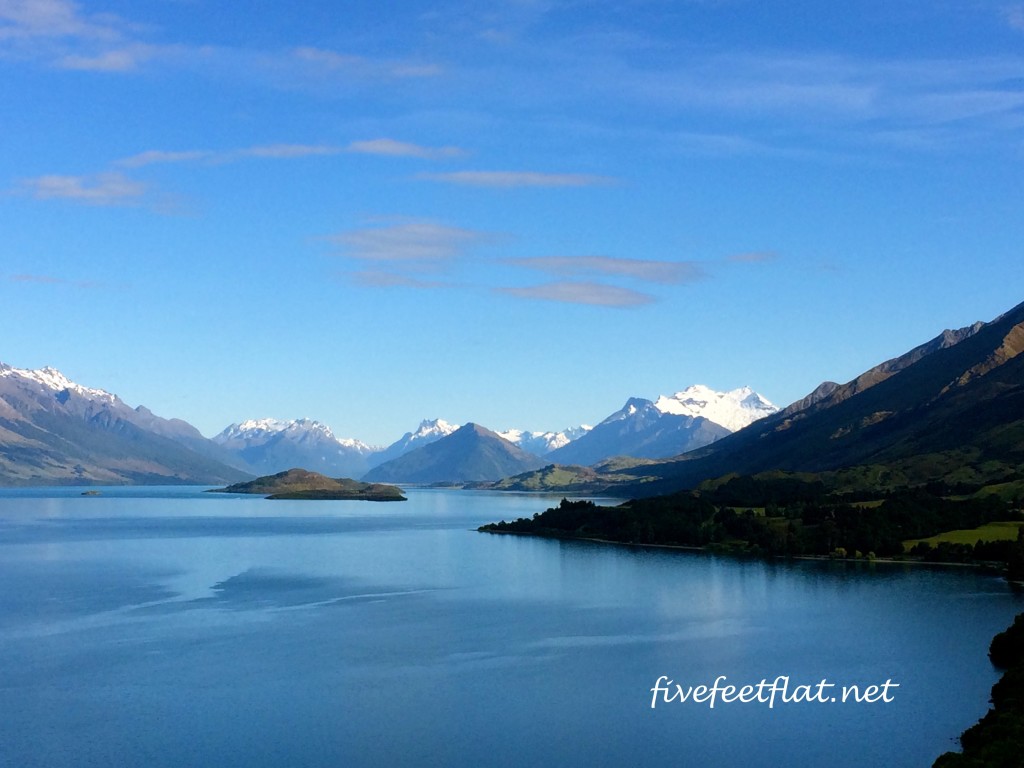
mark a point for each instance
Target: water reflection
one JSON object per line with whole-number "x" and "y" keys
{"x": 190, "y": 629}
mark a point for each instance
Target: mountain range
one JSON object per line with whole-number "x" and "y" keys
{"x": 642, "y": 429}
{"x": 669, "y": 426}
{"x": 950, "y": 410}
{"x": 54, "y": 431}
{"x": 470, "y": 453}
{"x": 266, "y": 446}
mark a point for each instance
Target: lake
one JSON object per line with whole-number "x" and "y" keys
{"x": 168, "y": 627}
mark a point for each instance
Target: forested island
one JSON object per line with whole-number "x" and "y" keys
{"x": 303, "y": 484}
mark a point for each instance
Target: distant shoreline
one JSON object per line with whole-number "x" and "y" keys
{"x": 748, "y": 556}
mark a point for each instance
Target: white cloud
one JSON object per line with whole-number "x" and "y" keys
{"x": 594, "y": 294}
{"x": 640, "y": 269}
{"x": 101, "y": 189}
{"x": 159, "y": 156}
{"x": 327, "y": 62}
{"x": 394, "y": 148}
{"x": 287, "y": 151}
{"x": 415, "y": 242}
{"x": 53, "y": 19}
{"x": 383, "y": 279}
{"x": 510, "y": 179}
{"x": 126, "y": 59}
{"x": 267, "y": 151}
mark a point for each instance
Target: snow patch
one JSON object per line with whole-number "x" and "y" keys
{"x": 253, "y": 432}
{"x": 733, "y": 410}
{"x": 52, "y": 379}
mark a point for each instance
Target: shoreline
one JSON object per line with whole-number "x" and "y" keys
{"x": 727, "y": 553}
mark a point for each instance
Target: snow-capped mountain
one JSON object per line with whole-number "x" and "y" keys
{"x": 271, "y": 445}
{"x": 261, "y": 431}
{"x": 51, "y": 379}
{"x": 541, "y": 443}
{"x": 689, "y": 419}
{"x": 733, "y": 410}
{"x": 641, "y": 430}
{"x": 429, "y": 431}
{"x": 470, "y": 453}
{"x": 54, "y": 430}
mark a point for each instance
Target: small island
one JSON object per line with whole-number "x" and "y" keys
{"x": 303, "y": 484}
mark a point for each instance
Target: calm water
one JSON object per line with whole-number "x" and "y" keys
{"x": 165, "y": 627}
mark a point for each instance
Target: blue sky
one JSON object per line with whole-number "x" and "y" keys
{"x": 515, "y": 213}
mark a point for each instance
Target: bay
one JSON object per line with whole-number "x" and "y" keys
{"x": 168, "y": 627}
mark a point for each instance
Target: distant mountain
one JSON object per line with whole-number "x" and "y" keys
{"x": 733, "y": 410}
{"x": 429, "y": 431}
{"x": 469, "y": 453}
{"x": 541, "y": 443}
{"x": 55, "y": 431}
{"x": 266, "y": 446}
{"x": 641, "y": 430}
{"x": 950, "y": 410}
{"x": 687, "y": 420}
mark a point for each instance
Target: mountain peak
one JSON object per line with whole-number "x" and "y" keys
{"x": 270, "y": 445}
{"x": 541, "y": 443}
{"x": 432, "y": 427}
{"x": 51, "y": 378}
{"x": 57, "y": 431}
{"x": 733, "y": 410}
{"x": 470, "y": 453}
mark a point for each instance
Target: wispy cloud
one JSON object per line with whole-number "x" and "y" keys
{"x": 639, "y": 269}
{"x": 383, "y": 279}
{"x": 285, "y": 151}
{"x": 328, "y": 62}
{"x": 103, "y": 189}
{"x": 60, "y": 33}
{"x": 54, "y": 19}
{"x": 393, "y": 148}
{"x": 268, "y": 151}
{"x": 387, "y": 147}
{"x": 752, "y": 257}
{"x": 159, "y": 156}
{"x": 509, "y": 179}
{"x": 121, "y": 59}
{"x": 412, "y": 242}
{"x": 594, "y": 294}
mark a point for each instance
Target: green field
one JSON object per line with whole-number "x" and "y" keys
{"x": 989, "y": 532}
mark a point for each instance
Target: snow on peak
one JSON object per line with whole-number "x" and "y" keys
{"x": 254, "y": 426}
{"x": 541, "y": 443}
{"x": 733, "y": 410}
{"x": 260, "y": 431}
{"x": 431, "y": 427}
{"x": 51, "y": 378}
